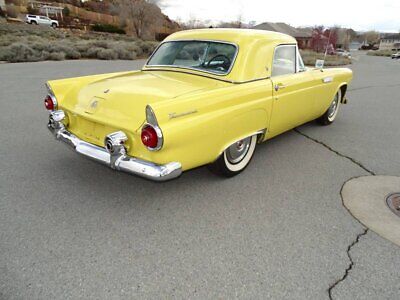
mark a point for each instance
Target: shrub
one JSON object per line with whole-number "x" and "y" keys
{"x": 19, "y": 52}
{"x": 40, "y": 46}
{"x": 92, "y": 52}
{"x": 67, "y": 49}
{"x": 25, "y": 42}
{"x": 310, "y": 57}
{"x": 123, "y": 52}
{"x": 380, "y": 53}
{"x": 108, "y": 28}
{"x": 2, "y": 13}
{"x": 7, "y": 39}
{"x": 45, "y": 55}
{"x": 31, "y": 10}
{"x": 5, "y": 53}
{"x": 99, "y": 44}
{"x": 82, "y": 47}
{"x": 107, "y": 54}
{"x": 57, "y": 56}
{"x": 147, "y": 46}
{"x": 66, "y": 11}
{"x": 134, "y": 48}
{"x": 12, "y": 11}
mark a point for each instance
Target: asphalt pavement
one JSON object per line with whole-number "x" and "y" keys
{"x": 74, "y": 229}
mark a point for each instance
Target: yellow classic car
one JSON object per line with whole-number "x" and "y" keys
{"x": 204, "y": 97}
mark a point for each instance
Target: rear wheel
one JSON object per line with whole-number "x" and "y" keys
{"x": 330, "y": 115}
{"x": 235, "y": 158}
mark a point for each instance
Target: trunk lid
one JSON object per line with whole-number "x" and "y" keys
{"x": 119, "y": 102}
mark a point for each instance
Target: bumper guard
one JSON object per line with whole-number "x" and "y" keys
{"x": 114, "y": 154}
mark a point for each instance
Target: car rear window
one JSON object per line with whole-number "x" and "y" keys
{"x": 207, "y": 56}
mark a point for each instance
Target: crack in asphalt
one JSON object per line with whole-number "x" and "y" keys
{"x": 351, "y": 264}
{"x": 365, "y": 231}
{"x": 336, "y": 152}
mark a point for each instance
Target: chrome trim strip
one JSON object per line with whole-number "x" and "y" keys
{"x": 52, "y": 96}
{"x": 118, "y": 159}
{"x": 194, "y": 69}
{"x": 205, "y": 76}
{"x": 154, "y": 125}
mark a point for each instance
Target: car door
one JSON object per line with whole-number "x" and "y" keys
{"x": 44, "y": 21}
{"x": 293, "y": 102}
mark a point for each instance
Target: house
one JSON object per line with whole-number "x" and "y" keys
{"x": 302, "y": 35}
{"x": 390, "y": 42}
{"x": 355, "y": 45}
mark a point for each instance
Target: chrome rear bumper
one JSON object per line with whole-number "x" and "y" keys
{"x": 115, "y": 155}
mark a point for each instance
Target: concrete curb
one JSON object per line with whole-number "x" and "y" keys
{"x": 365, "y": 197}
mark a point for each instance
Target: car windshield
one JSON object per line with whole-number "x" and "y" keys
{"x": 214, "y": 57}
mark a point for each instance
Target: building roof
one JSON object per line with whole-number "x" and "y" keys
{"x": 392, "y": 37}
{"x": 286, "y": 29}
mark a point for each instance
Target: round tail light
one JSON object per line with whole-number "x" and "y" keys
{"x": 149, "y": 137}
{"x": 50, "y": 103}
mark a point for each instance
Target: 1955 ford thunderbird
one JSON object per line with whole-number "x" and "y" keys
{"x": 204, "y": 97}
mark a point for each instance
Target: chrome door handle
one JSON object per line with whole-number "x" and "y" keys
{"x": 279, "y": 86}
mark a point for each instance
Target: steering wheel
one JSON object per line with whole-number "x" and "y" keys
{"x": 226, "y": 61}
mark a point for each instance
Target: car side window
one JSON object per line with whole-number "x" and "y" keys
{"x": 284, "y": 60}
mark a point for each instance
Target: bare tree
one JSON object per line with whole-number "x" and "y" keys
{"x": 372, "y": 37}
{"x": 142, "y": 15}
{"x": 193, "y": 23}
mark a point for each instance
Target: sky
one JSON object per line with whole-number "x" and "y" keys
{"x": 382, "y": 15}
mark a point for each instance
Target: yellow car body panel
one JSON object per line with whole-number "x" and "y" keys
{"x": 200, "y": 114}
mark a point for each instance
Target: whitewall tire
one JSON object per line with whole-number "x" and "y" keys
{"x": 330, "y": 115}
{"x": 235, "y": 158}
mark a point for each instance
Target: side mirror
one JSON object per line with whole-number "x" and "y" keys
{"x": 319, "y": 64}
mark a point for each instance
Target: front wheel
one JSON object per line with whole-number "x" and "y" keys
{"x": 235, "y": 158}
{"x": 330, "y": 115}
{"x": 54, "y": 25}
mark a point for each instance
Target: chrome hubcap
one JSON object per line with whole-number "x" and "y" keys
{"x": 236, "y": 152}
{"x": 333, "y": 107}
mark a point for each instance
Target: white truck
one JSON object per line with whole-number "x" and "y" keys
{"x": 396, "y": 55}
{"x": 41, "y": 20}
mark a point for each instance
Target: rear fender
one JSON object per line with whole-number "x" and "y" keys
{"x": 244, "y": 125}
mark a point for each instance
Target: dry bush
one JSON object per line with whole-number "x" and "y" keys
{"x": 57, "y": 56}
{"x": 19, "y": 52}
{"x": 34, "y": 43}
{"x": 66, "y": 48}
{"x": 381, "y": 53}
{"x": 310, "y": 57}
{"x": 124, "y": 52}
{"x": 12, "y": 11}
{"x": 92, "y": 52}
{"x": 107, "y": 54}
